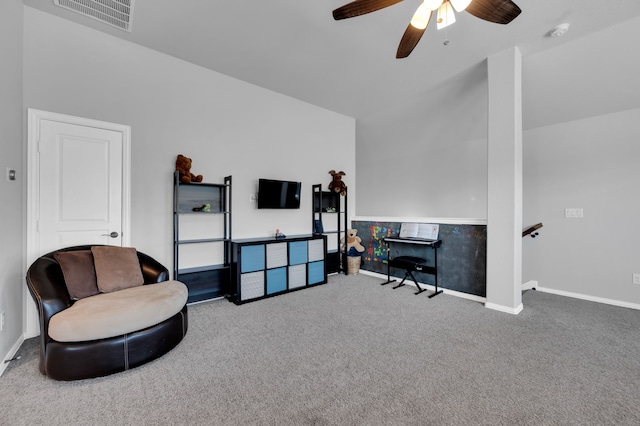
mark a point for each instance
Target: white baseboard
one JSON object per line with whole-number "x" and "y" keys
{"x": 505, "y": 309}
{"x": 12, "y": 352}
{"x": 431, "y": 287}
{"x": 531, "y": 284}
{"x": 589, "y": 298}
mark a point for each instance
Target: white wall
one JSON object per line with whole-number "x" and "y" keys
{"x": 11, "y": 200}
{"x": 428, "y": 156}
{"x": 594, "y": 164}
{"x": 227, "y": 126}
{"x": 589, "y": 160}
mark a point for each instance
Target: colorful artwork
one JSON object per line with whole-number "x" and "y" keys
{"x": 376, "y": 249}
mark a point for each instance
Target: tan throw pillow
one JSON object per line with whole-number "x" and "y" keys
{"x": 79, "y": 273}
{"x": 117, "y": 268}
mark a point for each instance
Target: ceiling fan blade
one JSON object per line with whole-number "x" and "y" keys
{"x": 498, "y": 11}
{"x": 361, "y": 7}
{"x": 409, "y": 40}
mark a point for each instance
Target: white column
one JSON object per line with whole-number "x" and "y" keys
{"x": 504, "y": 200}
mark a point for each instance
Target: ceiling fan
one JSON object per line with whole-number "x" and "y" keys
{"x": 498, "y": 11}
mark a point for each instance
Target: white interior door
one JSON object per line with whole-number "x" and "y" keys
{"x": 77, "y": 189}
{"x": 80, "y": 186}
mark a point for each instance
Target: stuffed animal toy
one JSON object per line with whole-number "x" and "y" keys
{"x": 337, "y": 185}
{"x": 183, "y": 165}
{"x": 353, "y": 246}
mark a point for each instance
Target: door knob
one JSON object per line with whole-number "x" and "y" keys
{"x": 114, "y": 234}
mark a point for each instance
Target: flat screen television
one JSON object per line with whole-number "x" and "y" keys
{"x": 278, "y": 194}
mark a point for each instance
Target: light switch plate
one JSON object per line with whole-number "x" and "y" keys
{"x": 574, "y": 213}
{"x": 11, "y": 175}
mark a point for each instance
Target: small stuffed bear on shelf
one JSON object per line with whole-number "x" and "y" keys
{"x": 337, "y": 185}
{"x": 183, "y": 166}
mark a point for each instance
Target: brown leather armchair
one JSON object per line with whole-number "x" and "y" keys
{"x": 80, "y": 360}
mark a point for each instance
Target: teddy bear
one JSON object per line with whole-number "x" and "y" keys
{"x": 353, "y": 246}
{"x": 337, "y": 185}
{"x": 183, "y": 165}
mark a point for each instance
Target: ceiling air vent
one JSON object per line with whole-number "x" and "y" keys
{"x": 116, "y": 13}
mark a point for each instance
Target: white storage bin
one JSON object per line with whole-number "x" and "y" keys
{"x": 316, "y": 250}
{"x": 276, "y": 255}
{"x": 297, "y": 276}
{"x": 252, "y": 285}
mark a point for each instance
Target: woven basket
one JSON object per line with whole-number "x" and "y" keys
{"x": 353, "y": 264}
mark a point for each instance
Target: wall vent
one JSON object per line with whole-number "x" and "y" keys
{"x": 116, "y": 13}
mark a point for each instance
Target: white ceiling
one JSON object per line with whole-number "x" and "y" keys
{"x": 295, "y": 47}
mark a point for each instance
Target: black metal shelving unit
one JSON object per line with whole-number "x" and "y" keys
{"x": 330, "y": 218}
{"x": 210, "y": 280}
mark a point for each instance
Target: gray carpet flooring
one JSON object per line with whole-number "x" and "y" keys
{"x": 352, "y": 352}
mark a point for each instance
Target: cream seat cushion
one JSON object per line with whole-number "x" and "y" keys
{"x": 117, "y": 313}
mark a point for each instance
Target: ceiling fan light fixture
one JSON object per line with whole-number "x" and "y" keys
{"x": 432, "y": 4}
{"x": 460, "y": 5}
{"x": 496, "y": 11}
{"x": 421, "y": 18}
{"x": 446, "y": 16}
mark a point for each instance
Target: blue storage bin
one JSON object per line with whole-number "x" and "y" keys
{"x": 316, "y": 272}
{"x": 297, "y": 252}
{"x": 252, "y": 258}
{"x": 276, "y": 280}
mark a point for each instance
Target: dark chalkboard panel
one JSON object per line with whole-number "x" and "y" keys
{"x": 462, "y": 257}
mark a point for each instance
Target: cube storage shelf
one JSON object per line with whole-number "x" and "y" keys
{"x": 265, "y": 267}
{"x": 209, "y": 230}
